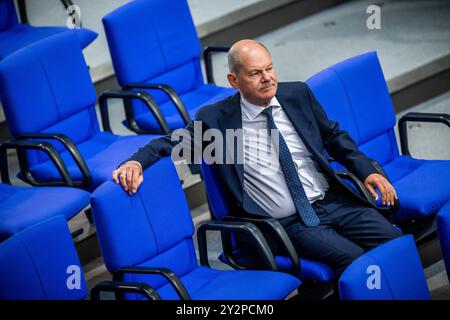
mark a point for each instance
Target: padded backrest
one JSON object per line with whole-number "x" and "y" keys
{"x": 214, "y": 191}
{"x": 8, "y": 16}
{"x": 354, "y": 93}
{"x": 155, "y": 41}
{"x": 152, "y": 227}
{"x": 41, "y": 262}
{"x": 391, "y": 271}
{"x": 46, "y": 87}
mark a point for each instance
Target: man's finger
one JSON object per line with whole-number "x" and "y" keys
{"x": 134, "y": 180}
{"x": 384, "y": 193}
{"x": 123, "y": 181}
{"x": 139, "y": 181}
{"x": 372, "y": 191}
{"x": 115, "y": 176}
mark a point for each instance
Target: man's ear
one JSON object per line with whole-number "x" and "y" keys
{"x": 232, "y": 80}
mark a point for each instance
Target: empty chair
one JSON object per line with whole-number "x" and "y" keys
{"x": 392, "y": 271}
{"x": 443, "y": 225}
{"x": 307, "y": 270}
{"x": 354, "y": 93}
{"x": 15, "y": 35}
{"x": 47, "y": 94}
{"x": 22, "y": 207}
{"x": 41, "y": 263}
{"x": 154, "y": 45}
{"x": 147, "y": 238}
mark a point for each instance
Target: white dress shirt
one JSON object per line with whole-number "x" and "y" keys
{"x": 263, "y": 178}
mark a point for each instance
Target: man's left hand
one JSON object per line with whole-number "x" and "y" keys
{"x": 388, "y": 194}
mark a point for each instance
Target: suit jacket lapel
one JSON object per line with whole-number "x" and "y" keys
{"x": 301, "y": 124}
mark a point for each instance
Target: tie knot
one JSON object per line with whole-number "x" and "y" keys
{"x": 268, "y": 111}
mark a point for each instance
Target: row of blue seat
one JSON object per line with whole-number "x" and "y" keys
{"x": 146, "y": 243}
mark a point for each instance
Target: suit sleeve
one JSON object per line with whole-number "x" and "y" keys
{"x": 339, "y": 144}
{"x": 162, "y": 147}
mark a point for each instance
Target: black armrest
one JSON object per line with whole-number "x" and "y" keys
{"x": 272, "y": 226}
{"x": 418, "y": 117}
{"x": 121, "y": 287}
{"x": 71, "y": 148}
{"x": 171, "y": 93}
{"x": 126, "y": 95}
{"x": 207, "y": 57}
{"x": 231, "y": 226}
{"x": 21, "y": 147}
{"x": 359, "y": 185}
{"x": 165, "y": 272}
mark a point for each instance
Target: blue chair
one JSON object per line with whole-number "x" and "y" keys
{"x": 15, "y": 35}
{"x": 41, "y": 263}
{"x": 305, "y": 269}
{"x": 443, "y": 225}
{"x": 354, "y": 93}
{"x": 154, "y": 46}
{"x": 47, "y": 97}
{"x": 147, "y": 238}
{"x": 22, "y": 207}
{"x": 391, "y": 271}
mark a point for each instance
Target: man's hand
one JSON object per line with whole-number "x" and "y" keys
{"x": 388, "y": 194}
{"x": 129, "y": 175}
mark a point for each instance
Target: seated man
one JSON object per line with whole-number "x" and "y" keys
{"x": 326, "y": 220}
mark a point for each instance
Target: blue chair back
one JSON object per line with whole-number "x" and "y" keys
{"x": 8, "y": 16}
{"x": 150, "y": 228}
{"x": 391, "y": 271}
{"x": 354, "y": 93}
{"x": 155, "y": 41}
{"x": 46, "y": 87}
{"x": 217, "y": 202}
{"x": 41, "y": 263}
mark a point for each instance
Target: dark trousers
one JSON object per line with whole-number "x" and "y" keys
{"x": 347, "y": 229}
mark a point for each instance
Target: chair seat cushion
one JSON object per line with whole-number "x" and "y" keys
{"x": 103, "y": 153}
{"x": 21, "y": 207}
{"x": 22, "y": 35}
{"x": 421, "y": 185}
{"x": 193, "y": 101}
{"x": 204, "y": 283}
{"x": 309, "y": 270}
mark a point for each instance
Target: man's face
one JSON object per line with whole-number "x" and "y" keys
{"x": 255, "y": 79}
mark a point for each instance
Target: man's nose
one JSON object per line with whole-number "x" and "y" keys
{"x": 265, "y": 76}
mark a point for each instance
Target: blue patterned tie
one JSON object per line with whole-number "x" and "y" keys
{"x": 293, "y": 182}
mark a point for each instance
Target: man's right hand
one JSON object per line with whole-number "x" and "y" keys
{"x": 129, "y": 175}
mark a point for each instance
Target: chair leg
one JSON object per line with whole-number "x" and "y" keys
{"x": 88, "y": 213}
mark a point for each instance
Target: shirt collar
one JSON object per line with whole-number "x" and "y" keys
{"x": 252, "y": 111}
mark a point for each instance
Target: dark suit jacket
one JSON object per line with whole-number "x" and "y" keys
{"x": 309, "y": 120}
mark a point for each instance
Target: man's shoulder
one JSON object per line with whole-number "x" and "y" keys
{"x": 214, "y": 110}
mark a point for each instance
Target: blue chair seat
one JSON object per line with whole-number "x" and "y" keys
{"x": 310, "y": 270}
{"x": 21, "y": 207}
{"x": 409, "y": 176}
{"x": 204, "y": 283}
{"x": 102, "y": 153}
{"x": 193, "y": 100}
{"x": 21, "y": 35}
